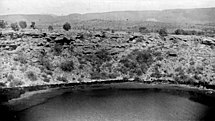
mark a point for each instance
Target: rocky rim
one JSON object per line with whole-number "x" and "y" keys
{"x": 32, "y": 58}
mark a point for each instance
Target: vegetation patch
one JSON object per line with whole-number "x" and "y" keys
{"x": 57, "y": 49}
{"x": 62, "y": 79}
{"x": 16, "y": 83}
{"x": 67, "y": 66}
{"x": 137, "y": 62}
{"x": 20, "y": 58}
{"x": 31, "y": 75}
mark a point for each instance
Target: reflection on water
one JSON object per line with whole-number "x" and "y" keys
{"x": 115, "y": 105}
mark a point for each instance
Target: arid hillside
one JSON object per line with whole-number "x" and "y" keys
{"x": 30, "y": 58}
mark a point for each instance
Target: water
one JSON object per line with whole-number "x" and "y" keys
{"x": 117, "y": 105}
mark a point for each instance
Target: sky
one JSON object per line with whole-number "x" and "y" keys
{"x": 65, "y": 7}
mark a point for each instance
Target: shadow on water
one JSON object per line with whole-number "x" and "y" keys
{"x": 7, "y": 114}
{"x": 209, "y": 114}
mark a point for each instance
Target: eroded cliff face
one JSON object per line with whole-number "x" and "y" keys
{"x": 34, "y": 58}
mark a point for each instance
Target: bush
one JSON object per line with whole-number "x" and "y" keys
{"x": 98, "y": 58}
{"x": 14, "y": 26}
{"x": 143, "y": 30}
{"x": 20, "y": 58}
{"x": 179, "y": 32}
{"x": 3, "y": 24}
{"x": 45, "y": 62}
{"x": 188, "y": 32}
{"x": 97, "y": 75}
{"x": 67, "y": 66}
{"x": 10, "y": 78}
{"x": 16, "y": 83}
{"x": 57, "y": 49}
{"x": 50, "y": 28}
{"x": 137, "y": 62}
{"x": 67, "y": 26}
{"x": 31, "y": 75}
{"x": 23, "y": 24}
{"x": 46, "y": 80}
{"x": 144, "y": 57}
{"x": 104, "y": 55}
{"x": 62, "y": 79}
{"x": 163, "y": 32}
{"x": 32, "y": 25}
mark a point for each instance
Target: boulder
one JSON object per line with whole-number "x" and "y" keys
{"x": 208, "y": 41}
{"x": 63, "y": 40}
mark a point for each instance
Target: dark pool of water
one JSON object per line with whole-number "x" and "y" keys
{"x": 120, "y": 105}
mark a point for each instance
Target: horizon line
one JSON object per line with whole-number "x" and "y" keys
{"x": 106, "y": 12}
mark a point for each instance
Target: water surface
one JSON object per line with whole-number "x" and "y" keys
{"x": 118, "y": 105}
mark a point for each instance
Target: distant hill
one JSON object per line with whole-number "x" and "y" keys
{"x": 198, "y": 15}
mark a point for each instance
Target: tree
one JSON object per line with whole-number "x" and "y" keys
{"x": 50, "y": 28}
{"x": 14, "y": 26}
{"x": 23, "y": 24}
{"x": 163, "y": 32}
{"x": 32, "y": 25}
{"x": 3, "y": 24}
{"x": 67, "y": 26}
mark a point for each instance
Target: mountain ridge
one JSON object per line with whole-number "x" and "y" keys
{"x": 197, "y": 15}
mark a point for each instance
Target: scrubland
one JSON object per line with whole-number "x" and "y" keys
{"x": 30, "y": 57}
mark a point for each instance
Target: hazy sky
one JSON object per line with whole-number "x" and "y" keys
{"x": 64, "y": 7}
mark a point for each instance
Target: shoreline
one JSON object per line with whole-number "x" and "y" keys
{"x": 20, "y": 92}
{"x": 33, "y": 98}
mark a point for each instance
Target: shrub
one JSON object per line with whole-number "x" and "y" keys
{"x": 2, "y": 84}
{"x": 10, "y": 78}
{"x": 3, "y": 24}
{"x": 130, "y": 64}
{"x": 163, "y": 32}
{"x": 144, "y": 67}
{"x": 23, "y": 24}
{"x": 50, "y": 28}
{"x": 67, "y": 66}
{"x": 98, "y": 58}
{"x": 46, "y": 80}
{"x": 57, "y": 49}
{"x": 67, "y": 26}
{"x": 45, "y": 62}
{"x": 143, "y": 30}
{"x": 21, "y": 58}
{"x": 97, "y": 75}
{"x": 31, "y": 75}
{"x": 179, "y": 32}
{"x": 104, "y": 55}
{"x": 14, "y": 26}
{"x": 62, "y": 79}
{"x": 137, "y": 62}
{"x": 188, "y": 32}
{"x": 16, "y": 83}
{"x": 112, "y": 31}
{"x": 144, "y": 57}
{"x": 32, "y": 25}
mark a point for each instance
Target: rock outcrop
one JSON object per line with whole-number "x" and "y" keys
{"x": 30, "y": 59}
